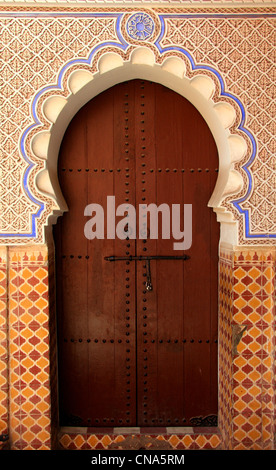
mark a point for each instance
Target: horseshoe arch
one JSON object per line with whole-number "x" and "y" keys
{"x": 79, "y": 83}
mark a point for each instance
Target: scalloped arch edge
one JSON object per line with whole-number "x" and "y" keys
{"x": 83, "y": 85}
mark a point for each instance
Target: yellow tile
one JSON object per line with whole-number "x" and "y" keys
{"x": 254, "y": 287}
{"x": 2, "y": 291}
{"x": 255, "y": 420}
{"x": 93, "y": 440}
{"x": 201, "y": 441}
{"x": 254, "y": 272}
{"x": 42, "y": 347}
{"x": 254, "y": 434}
{"x": 65, "y": 440}
{"x": 239, "y": 420}
{"x": 26, "y": 303}
{"x": 27, "y": 362}
{"x": 79, "y": 441}
{"x": 41, "y": 303}
{"x": 3, "y": 336}
{"x": 255, "y": 302}
{"x": 27, "y": 406}
{"x": 27, "y": 377}
{"x": 239, "y": 317}
{"x": 26, "y": 273}
{"x": 239, "y": 273}
{"x": 240, "y": 302}
{"x": 42, "y": 377}
{"x": 43, "y": 436}
{"x": 254, "y": 405}
{"x": 43, "y": 392}
{"x": 42, "y": 362}
{"x": 26, "y": 318}
{"x": 27, "y": 348}
{"x": 42, "y": 333}
{"x": 239, "y": 434}
{"x": 174, "y": 440}
{"x": 28, "y": 421}
{"x": 3, "y": 305}
{"x": 106, "y": 440}
{"x": 27, "y": 392}
{"x": 41, "y": 273}
{"x": 28, "y": 436}
{"x": 26, "y": 288}
{"x": 41, "y": 318}
{"x": 44, "y": 421}
{"x": 27, "y": 333}
{"x": 187, "y": 441}
{"x": 239, "y": 288}
{"x": 41, "y": 288}
{"x": 43, "y": 407}
{"x": 254, "y": 376}
{"x": 240, "y": 361}
{"x": 240, "y": 376}
{"x": 215, "y": 441}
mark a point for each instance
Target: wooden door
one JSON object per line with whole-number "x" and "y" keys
{"x": 129, "y": 356}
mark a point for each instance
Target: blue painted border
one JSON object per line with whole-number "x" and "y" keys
{"x": 122, "y": 44}
{"x": 236, "y": 203}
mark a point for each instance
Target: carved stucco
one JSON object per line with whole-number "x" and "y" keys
{"x": 101, "y": 53}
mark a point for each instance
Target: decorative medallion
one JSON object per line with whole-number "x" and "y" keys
{"x": 140, "y": 26}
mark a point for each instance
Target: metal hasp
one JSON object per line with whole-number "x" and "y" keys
{"x": 147, "y": 259}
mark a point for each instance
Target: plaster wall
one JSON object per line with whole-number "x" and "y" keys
{"x": 54, "y": 58}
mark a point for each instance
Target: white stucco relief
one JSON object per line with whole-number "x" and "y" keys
{"x": 112, "y": 68}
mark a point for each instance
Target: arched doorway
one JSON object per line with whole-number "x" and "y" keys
{"x": 130, "y": 355}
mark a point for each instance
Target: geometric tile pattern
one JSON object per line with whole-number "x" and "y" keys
{"x": 29, "y": 349}
{"x": 207, "y": 439}
{"x": 248, "y": 349}
{"x": 4, "y": 386}
{"x": 246, "y": 361}
{"x": 225, "y": 348}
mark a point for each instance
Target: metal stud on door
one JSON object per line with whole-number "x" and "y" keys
{"x": 137, "y": 336}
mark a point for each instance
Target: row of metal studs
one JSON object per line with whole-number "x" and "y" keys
{"x": 167, "y": 170}
{"x": 172, "y": 341}
{"x": 145, "y": 346}
{"x": 127, "y": 271}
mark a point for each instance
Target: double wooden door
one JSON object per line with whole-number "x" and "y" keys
{"x": 129, "y": 356}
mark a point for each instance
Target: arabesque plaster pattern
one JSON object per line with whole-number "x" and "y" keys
{"x": 53, "y": 59}
{"x": 236, "y": 50}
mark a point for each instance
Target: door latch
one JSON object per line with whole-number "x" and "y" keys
{"x": 147, "y": 259}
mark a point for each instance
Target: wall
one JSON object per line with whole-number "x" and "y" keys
{"x": 53, "y": 58}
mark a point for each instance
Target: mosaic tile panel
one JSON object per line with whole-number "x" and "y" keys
{"x": 251, "y": 319}
{"x": 225, "y": 349}
{"x": 194, "y": 440}
{"x": 4, "y": 386}
{"x": 246, "y": 371}
{"x": 30, "y": 420}
{"x": 53, "y": 348}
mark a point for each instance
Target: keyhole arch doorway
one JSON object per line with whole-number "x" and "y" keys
{"x": 134, "y": 357}
{"x": 199, "y": 90}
